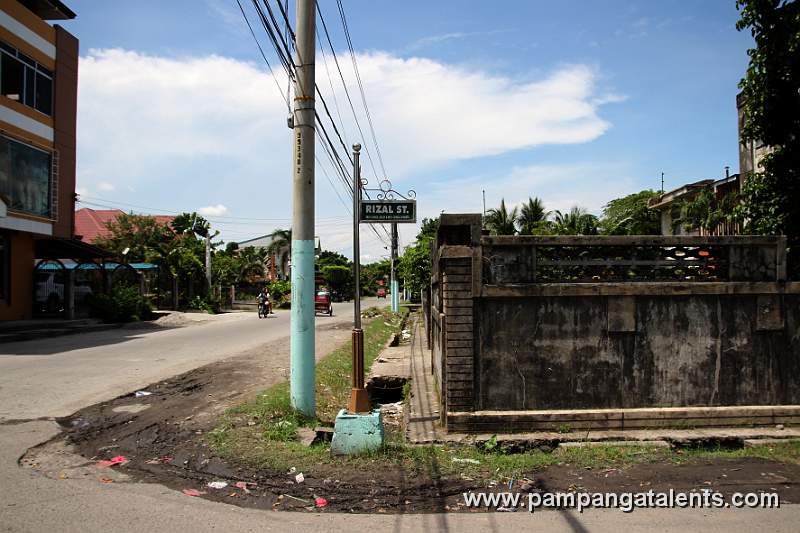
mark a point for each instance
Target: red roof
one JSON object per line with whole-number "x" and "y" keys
{"x": 91, "y": 223}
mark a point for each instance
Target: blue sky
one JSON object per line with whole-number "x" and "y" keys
{"x": 575, "y": 102}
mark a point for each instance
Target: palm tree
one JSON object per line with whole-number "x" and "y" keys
{"x": 252, "y": 262}
{"x": 501, "y": 221}
{"x": 577, "y": 221}
{"x": 281, "y": 247}
{"x": 531, "y": 216}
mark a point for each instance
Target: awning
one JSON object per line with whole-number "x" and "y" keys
{"x": 57, "y": 248}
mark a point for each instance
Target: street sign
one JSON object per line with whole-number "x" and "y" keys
{"x": 399, "y": 211}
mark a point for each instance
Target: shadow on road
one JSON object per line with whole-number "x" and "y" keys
{"x": 80, "y": 341}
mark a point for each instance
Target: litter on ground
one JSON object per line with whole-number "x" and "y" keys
{"x": 217, "y": 485}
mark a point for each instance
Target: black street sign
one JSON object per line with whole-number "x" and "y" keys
{"x": 389, "y": 211}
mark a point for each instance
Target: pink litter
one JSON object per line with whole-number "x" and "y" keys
{"x": 118, "y": 460}
{"x": 193, "y": 492}
{"x": 320, "y": 502}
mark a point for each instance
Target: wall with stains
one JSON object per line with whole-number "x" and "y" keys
{"x": 574, "y": 352}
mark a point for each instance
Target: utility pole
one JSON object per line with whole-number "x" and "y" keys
{"x": 662, "y": 183}
{"x": 208, "y": 261}
{"x": 393, "y": 280}
{"x": 302, "y": 379}
{"x": 359, "y": 399}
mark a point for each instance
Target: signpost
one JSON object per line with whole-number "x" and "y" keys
{"x": 382, "y": 211}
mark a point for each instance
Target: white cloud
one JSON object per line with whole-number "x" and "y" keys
{"x": 211, "y": 130}
{"x": 218, "y": 210}
{"x": 105, "y": 186}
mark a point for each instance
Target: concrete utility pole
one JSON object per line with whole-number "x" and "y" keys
{"x": 302, "y": 318}
{"x": 394, "y": 285}
{"x": 359, "y": 399}
{"x": 208, "y": 261}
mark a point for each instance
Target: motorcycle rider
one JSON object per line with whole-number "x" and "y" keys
{"x": 265, "y": 300}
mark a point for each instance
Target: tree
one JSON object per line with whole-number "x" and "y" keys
{"x": 338, "y": 277}
{"x": 577, "y": 221}
{"x": 281, "y": 247}
{"x": 142, "y": 235}
{"x": 328, "y": 258}
{"x": 414, "y": 266}
{"x": 630, "y": 215}
{"x": 533, "y": 217}
{"x": 771, "y": 195}
{"x": 500, "y": 221}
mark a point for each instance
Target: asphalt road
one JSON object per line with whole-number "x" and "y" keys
{"x": 54, "y": 377}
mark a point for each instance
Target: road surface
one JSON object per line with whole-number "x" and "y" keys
{"x": 54, "y": 377}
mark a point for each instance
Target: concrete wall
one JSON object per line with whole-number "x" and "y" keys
{"x": 636, "y": 351}
{"x": 636, "y": 322}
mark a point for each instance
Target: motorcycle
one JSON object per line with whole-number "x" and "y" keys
{"x": 264, "y": 309}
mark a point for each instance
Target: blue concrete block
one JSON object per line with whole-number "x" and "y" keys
{"x": 357, "y": 433}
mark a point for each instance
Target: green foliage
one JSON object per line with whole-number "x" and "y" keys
{"x": 533, "y": 217}
{"x": 577, "y": 221}
{"x": 501, "y": 221}
{"x": 771, "y": 195}
{"x": 204, "y": 304}
{"x": 124, "y": 304}
{"x": 706, "y": 211}
{"x": 141, "y": 234}
{"x": 338, "y": 277}
{"x": 372, "y": 273}
{"x": 281, "y": 247}
{"x": 630, "y": 215}
{"x": 328, "y": 258}
{"x": 280, "y": 290}
{"x": 414, "y": 266}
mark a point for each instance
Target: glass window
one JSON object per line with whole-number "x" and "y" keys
{"x": 12, "y": 78}
{"x": 25, "y": 177}
{"x": 24, "y": 80}
{"x": 44, "y": 94}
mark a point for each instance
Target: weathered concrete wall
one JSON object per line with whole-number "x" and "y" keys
{"x": 525, "y": 324}
{"x": 643, "y": 351}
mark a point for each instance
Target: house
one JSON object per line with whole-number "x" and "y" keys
{"x": 93, "y": 223}
{"x": 672, "y": 204}
{"x": 38, "y": 104}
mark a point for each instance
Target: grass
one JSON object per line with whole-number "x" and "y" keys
{"x": 261, "y": 434}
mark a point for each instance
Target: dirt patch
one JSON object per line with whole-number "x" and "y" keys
{"x": 163, "y": 437}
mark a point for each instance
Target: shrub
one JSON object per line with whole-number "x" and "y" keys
{"x": 124, "y": 304}
{"x": 204, "y": 304}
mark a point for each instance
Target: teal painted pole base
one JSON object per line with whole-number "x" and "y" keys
{"x": 302, "y": 366}
{"x": 357, "y": 433}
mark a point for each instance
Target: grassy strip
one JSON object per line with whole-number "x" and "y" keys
{"x": 261, "y": 431}
{"x": 261, "y": 434}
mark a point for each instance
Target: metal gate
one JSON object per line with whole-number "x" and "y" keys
{"x": 124, "y": 276}
{"x": 89, "y": 280}
{"x": 49, "y": 284}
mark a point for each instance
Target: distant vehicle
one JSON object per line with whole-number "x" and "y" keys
{"x": 322, "y": 302}
{"x": 381, "y": 292}
{"x": 50, "y": 292}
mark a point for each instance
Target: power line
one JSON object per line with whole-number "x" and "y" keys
{"x": 263, "y": 55}
{"x": 344, "y": 86}
{"x": 360, "y": 85}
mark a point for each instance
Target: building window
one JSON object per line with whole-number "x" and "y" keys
{"x": 24, "y": 80}
{"x": 25, "y": 178}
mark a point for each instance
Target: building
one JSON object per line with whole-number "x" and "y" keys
{"x": 671, "y": 206}
{"x": 93, "y": 223}
{"x": 38, "y": 103}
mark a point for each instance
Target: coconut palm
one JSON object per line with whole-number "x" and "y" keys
{"x": 577, "y": 221}
{"x": 532, "y": 215}
{"x": 501, "y": 221}
{"x": 281, "y": 247}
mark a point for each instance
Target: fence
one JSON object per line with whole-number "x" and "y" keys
{"x": 530, "y": 324}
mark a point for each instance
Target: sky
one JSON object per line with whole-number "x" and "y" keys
{"x": 576, "y": 102}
